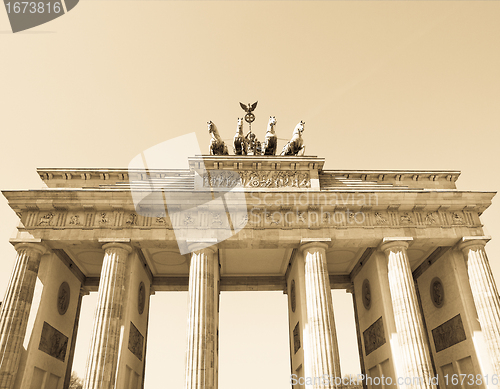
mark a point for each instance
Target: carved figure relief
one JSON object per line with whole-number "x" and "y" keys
{"x": 104, "y": 218}
{"x": 273, "y": 218}
{"x": 216, "y": 219}
{"x": 374, "y": 336}
{"x": 379, "y": 218}
{"x": 257, "y": 179}
{"x": 437, "y": 292}
{"x": 46, "y": 220}
{"x": 296, "y": 338}
{"x": 293, "y": 301}
{"x": 135, "y": 341}
{"x": 449, "y": 333}
{"x": 430, "y": 219}
{"x": 457, "y": 219}
{"x": 188, "y": 219}
{"x": 244, "y": 220}
{"x": 366, "y": 294}
{"x": 132, "y": 219}
{"x": 75, "y": 220}
{"x": 53, "y": 342}
{"x": 141, "y": 301}
{"x": 160, "y": 220}
{"x": 405, "y": 218}
{"x": 63, "y": 298}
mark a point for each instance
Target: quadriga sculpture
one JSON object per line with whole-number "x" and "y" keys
{"x": 239, "y": 141}
{"x": 217, "y": 146}
{"x": 271, "y": 140}
{"x": 296, "y": 144}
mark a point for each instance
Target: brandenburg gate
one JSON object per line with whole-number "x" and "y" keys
{"x": 408, "y": 245}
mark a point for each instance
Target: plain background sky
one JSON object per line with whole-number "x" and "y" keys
{"x": 380, "y": 85}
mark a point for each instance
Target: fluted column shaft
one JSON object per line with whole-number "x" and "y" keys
{"x": 202, "y": 343}
{"x": 485, "y": 295}
{"x": 415, "y": 356}
{"x": 321, "y": 357}
{"x": 15, "y": 310}
{"x": 105, "y": 343}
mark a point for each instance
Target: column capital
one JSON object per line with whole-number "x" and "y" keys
{"x": 398, "y": 242}
{"x": 471, "y": 241}
{"x": 36, "y": 246}
{"x": 318, "y": 243}
{"x": 202, "y": 245}
{"x": 118, "y": 245}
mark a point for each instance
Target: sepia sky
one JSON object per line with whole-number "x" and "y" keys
{"x": 380, "y": 85}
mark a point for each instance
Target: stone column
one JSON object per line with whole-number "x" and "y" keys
{"x": 414, "y": 351}
{"x": 484, "y": 293}
{"x": 103, "y": 356}
{"x": 15, "y": 310}
{"x": 202, "y": 343}
{"x": 321, "y": 354}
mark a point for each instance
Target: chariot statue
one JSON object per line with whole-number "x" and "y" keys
{"x": 296, "y": 144}
{"x": 217, "y": 145}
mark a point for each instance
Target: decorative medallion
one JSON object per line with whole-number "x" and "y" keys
{"x": 366, "y": 294}
{"x": 293, "y": 302}
{"x": 142, "y": 298}
{"x": 437, "y": 292}
{"x": 63, "y": 297}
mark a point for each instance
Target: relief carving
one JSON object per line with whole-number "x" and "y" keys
{"x": 135, "y": 341}
{"x": 257, "y": 179}
{"x": 53, "y": 342}
{"x": 379, "y": 218}
{"x": 75, "y": 220}
{"x": 46, "y": 220}
{"x": 457, "y": 219}
{"x": 63, "y": 298}
{"x": 437, "y": 292}
{"x": 141, "y": 298}
{"x": 430, "y": 219}
{"x": 296, "y": 338}
{"x": 449, "y": 333}
{"x": 132, "y": 220}
{"x": 104, "y": 218}
{"x": 374, "y": 336}
{"x": 160, "y": 220}
{"x": 366, "y": 294}
{"x": 293, "y": 301}
{"x": 188, "y": 219}
{"x": 405, "y": 218}
{"x": 216, "y": 219}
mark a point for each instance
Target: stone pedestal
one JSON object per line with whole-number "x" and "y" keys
{"x": 414, "y": 352}
{"x": 15, "y": 310}
{"x": 321, "y": 354}
{"x": 203, "y": 317}
{"x": 485, "y": 295}
{"x": 103, "y": 355}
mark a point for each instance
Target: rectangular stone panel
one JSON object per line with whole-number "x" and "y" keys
{"x": 296, "y": 338}
{"x": 53, "y": 342}
{"x": 449, "y": 333}
{"x": 135, "y": 341}
{"x": 374, "y": 336}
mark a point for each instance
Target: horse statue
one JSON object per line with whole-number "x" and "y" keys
{"x": 217, "y": 146}
{"x": 296, "y": 144}
{"x": 271, "y": 140}
{"x": 239, "y": 141}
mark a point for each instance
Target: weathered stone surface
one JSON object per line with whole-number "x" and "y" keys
{"x": 374, "y": 336}
{"x": 53, "y": 342}
{"x": 449, "y": 333}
